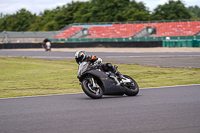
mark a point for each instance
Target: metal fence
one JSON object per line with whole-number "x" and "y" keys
{"x": 127, "y": 39}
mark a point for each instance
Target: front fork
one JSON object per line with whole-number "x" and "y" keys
{"x": 92, "y": 82}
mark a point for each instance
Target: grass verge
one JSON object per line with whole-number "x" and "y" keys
{"x": 30, "y": 77}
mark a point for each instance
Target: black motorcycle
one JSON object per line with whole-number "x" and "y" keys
{"x": 96, "y": 83}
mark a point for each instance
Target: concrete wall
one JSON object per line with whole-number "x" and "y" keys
{"x": 90, "y": 44}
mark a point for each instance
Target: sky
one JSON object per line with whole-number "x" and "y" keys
{"x": 37, "y": 6}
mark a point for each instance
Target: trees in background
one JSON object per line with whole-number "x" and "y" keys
{"x": 173, "y": 10}
{"x": 1, "y": 15}
{"x": 195, "y": 10}
{"x": 21, "y": 21}
{"x": 95, "y": 11}
{"x": 111, "y": 11}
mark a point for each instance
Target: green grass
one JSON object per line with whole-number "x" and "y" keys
{"x": 29, "y": 77}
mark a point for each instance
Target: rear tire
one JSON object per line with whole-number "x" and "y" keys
{"x": 95, "y": 93}
{"x": 132, "y": 89}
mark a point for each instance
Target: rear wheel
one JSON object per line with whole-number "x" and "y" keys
{"x": 90, "y": 90}
{"x": 132, "y": 89}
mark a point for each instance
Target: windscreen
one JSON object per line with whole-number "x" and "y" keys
{"x": 82, "y": 68}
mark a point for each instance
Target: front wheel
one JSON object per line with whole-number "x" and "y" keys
{"x": 132, "y": 89}
{"x": 90, "y": 90}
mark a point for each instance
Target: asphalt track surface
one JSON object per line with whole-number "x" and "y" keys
{"x": 154, "y": 110}
{"x": 163, "y": 59}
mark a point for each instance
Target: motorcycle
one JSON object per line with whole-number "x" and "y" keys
{"x": 48, "y": 46}
{"x": 96, "y": 83}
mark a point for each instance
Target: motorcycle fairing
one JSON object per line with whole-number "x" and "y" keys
{"x": 111, "y": 88}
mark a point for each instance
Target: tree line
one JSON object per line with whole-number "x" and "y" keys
{"x": 95, "y": 11}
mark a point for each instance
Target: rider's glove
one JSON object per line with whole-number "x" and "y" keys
{"x": 97, "y": 62}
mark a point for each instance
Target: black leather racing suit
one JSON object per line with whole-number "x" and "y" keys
{"x": 104, "y": 66}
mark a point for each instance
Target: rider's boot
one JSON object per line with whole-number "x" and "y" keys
{"x": 119, "y": 75}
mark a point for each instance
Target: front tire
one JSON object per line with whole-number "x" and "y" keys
{"x": 95, "y": 93}
{"x": 132, "y": 89}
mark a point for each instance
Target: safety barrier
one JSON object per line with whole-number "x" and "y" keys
{"x": 181, "y": 43}
{"x": 83, "y": 44}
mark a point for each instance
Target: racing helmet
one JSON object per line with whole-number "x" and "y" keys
{"x": 80, "y": 56}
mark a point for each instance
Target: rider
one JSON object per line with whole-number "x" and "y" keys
{"x": 81, "y": 56}
{"x": 46, "y": 42}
